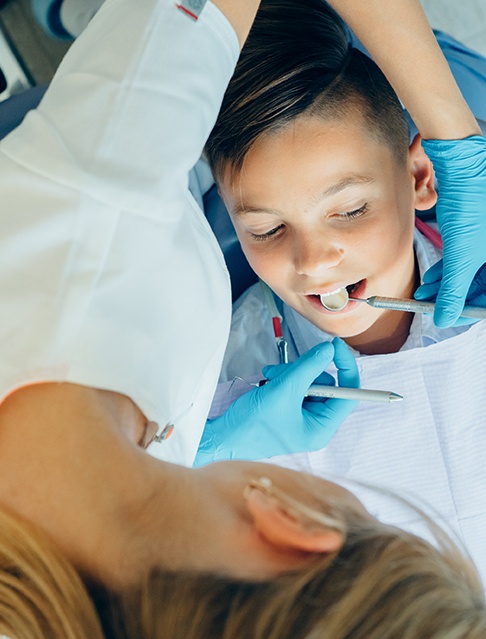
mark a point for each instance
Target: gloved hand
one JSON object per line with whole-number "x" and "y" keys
{"x": 275, "y": 419}
{"x": 460, "y": 168}
{"x": 476, "y": 296}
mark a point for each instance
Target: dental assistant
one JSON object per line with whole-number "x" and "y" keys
{"x": 110, "y": 275}
{"x": 116, "y": 305}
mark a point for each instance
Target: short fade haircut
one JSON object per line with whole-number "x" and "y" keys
{"x": 298, "y": 61}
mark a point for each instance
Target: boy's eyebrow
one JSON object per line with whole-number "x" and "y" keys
{"x": 242, "y": 209}
{"x": 350, "y": 180}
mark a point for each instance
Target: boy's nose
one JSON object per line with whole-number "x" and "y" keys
{"x": 314, "y": 256}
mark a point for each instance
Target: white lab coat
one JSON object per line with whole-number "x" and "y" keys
{"x": 110, "y": 275}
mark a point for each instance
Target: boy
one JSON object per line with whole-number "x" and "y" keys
{"x": 313, "y": 162}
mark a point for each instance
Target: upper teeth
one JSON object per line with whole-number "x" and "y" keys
{"x": 338, "y": 290}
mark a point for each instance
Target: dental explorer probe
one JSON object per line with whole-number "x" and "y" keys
{"x": 359, "y": 394}
{"x": 345, "y": 392}
{"x": 414, "y": 306}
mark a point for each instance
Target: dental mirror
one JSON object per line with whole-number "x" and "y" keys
{"x": 336, "y": 300}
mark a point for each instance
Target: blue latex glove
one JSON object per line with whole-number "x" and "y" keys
{"x": 460, "y": 168}
{"x": 476, "y": 296}
{"x": 275, "y": 419}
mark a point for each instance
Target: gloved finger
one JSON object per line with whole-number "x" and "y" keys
{"x": 456, "y": 280}
{"x": 431, "y": 282}
{"x": 272, "y": 371}
{"x": 427, "y": 292}
{"x": 325, "y": 379}
{"x": 336, "y": 410}
{"x": 477, "y": 290}
{"x": 434, "y": 273}
{"x": 347, "y": 369}
{"x": 299, "y": 375}
{"x": 476, "y": 295}
{"x": 326, "y": 417}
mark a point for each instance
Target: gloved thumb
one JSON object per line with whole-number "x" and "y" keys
{"x": 273, "y": 371}
{"x": 298, "y": 376}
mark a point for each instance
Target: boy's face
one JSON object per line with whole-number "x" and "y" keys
{"x": 322, "y": 204}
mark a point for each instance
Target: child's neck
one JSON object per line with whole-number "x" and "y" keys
{"x": 387, "y": 335}
{"x": 391, "y": 330}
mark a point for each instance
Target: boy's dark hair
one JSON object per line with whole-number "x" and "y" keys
{"x": 297, "y": 60}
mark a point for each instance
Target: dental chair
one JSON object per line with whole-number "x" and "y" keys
{"x": 14, "y": 109}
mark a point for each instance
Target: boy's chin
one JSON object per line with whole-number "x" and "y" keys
{"x": 347, "y": 327}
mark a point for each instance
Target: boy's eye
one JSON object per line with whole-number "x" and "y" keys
{"x": 356, "y": 213}
{"x": 265, "y": 236}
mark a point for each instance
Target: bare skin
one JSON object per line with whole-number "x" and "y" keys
{"x": 70, "y": 463}
{"x": 320, "y": 205}
{"x": 399, "y": 37}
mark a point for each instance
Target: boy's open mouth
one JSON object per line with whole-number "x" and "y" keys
{"x": 336, "y": 301}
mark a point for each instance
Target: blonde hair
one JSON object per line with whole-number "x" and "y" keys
{"x": 41, "y": 595}
{"x": 383, "y": 584}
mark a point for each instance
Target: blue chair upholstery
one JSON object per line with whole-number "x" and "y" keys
{"x": 241, "y": 274}
{"x": 14, "y": 109}
{"x": 3, "y": 81}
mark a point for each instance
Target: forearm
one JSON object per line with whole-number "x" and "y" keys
{"x": 240, "y": 13}
{"x": 398, "y": 36}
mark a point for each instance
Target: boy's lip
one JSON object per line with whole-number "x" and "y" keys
{"x": 315, "y": 300}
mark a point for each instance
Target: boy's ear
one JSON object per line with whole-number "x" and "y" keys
{"x": 286, "y": 530}
{"x": 423, "y": 173}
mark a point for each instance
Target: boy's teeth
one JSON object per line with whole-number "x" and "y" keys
{"x": 338, "y": 290}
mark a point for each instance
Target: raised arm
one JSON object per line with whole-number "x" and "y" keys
{"x": 398, "y": 36}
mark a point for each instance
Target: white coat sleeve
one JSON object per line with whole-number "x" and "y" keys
{"x": 109, "y": 273}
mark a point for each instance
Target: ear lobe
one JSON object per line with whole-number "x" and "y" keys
{"x": 284, "y": 529}
{"x": 423, "y": 174}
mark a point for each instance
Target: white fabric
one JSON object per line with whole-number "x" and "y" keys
{"x": 109, "y": 273}
{"x": 428, "y": 448}
{"x": 75, "y": 14}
